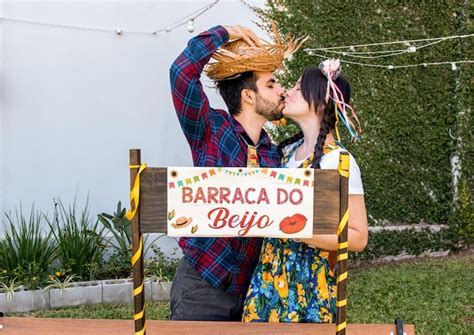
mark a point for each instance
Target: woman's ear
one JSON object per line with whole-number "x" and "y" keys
{"x": 248, "y": 96}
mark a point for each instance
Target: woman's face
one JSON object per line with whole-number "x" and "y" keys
{"x": 295, "y": 105}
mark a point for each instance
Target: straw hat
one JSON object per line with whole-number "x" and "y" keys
{"x": 237, "y": 56}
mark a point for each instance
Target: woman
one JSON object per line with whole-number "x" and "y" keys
{"x": 293, "y": 281}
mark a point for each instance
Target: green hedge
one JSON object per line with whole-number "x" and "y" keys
{"x": 404, "y": 242}
{"x": 407, "y": 114}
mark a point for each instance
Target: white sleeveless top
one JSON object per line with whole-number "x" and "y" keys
{"x": 331, "y": 161}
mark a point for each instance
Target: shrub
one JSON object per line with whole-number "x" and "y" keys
{"x": 26, "y": 253}
{"x": 80, "y": 242}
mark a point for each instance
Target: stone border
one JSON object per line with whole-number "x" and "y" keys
{"x": 82, "y": 293}
{"x": 417, "y": 227}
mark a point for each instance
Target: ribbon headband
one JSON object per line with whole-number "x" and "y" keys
{"x": 331, "y": 69}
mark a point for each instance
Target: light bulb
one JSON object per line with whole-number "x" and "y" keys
{"x": 191, "y": 25}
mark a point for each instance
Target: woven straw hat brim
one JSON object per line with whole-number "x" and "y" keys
{"x": 237, "y": 57}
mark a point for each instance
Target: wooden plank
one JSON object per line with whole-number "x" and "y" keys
{"x": 153, "y": 201}
{"x": 37, "y": 326}
{"x": 326, "y": 204}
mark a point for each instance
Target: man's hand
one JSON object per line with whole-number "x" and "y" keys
{"x": 237, "y": 32}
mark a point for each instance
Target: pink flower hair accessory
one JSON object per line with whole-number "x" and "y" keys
{"x": 331, "y": 68}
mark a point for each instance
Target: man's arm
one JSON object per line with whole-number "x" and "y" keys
{"x": 190, "y": 101}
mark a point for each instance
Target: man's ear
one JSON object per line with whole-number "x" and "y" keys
{"x": 248, "y": 96}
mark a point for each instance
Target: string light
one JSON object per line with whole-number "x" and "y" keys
{"x": 386, "y": 53}
{"x": 406, "y": 42}
{"x": 191, "y": 25}
{"x": 391, "y": 66}
{"x": 389, "y": 53}
{"x": 188, "y": 19}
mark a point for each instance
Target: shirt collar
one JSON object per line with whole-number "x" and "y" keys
{"x": 239, "y": 129}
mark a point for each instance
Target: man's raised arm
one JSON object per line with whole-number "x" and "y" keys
{"x": 190, "y": 101}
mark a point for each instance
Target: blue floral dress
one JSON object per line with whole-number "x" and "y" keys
{"x": 292, "y": 281}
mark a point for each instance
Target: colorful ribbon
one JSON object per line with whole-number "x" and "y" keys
{"x": 331, "y": 69}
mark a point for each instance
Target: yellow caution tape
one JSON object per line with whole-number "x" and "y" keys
{"x": 341, "y": 303}
{"x": 135, "y": 192}
{"x": 343, "y": 166}
{"x": 341, "y": 277}
{"x": 341, "y": 326}
{"x": 138, "y": 290}
{"x": 138, "y": 316}
{"x": 342, "y": 257}
{"x": 142, "y": 331}
{"x": 343, "y": 245}
{"x": 136, "y": 256}
{"x": 343, "y": 222}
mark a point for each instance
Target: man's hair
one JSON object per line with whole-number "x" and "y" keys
{"x": 230, "y": 90}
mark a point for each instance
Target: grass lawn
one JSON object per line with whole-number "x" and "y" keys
{"x": 434, "y": 294}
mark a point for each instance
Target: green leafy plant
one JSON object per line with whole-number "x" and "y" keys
{"x": 159, "y": 267}
{"x": 80, "y": 242}
{"x": 461, "y": 232}
{"x": 9, "y": 288}
{"x": 26, "y": 252}
{"x": 121, "y": 229}
{"x": 281, "y": 130}
{"x": 119, "y": 263}
{"x": 56, "y": 282}
{"x": 119, "y": 226}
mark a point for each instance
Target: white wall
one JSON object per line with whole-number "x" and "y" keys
{"x": 2, "y": 131}
{"x": 73, "y": 102}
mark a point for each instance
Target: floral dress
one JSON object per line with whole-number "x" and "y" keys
{"x": 292, "y": 281}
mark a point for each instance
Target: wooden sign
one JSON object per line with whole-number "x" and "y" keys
{"x": 245, "y": 202}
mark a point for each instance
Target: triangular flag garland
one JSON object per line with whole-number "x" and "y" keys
{"x": 280, "y": 176}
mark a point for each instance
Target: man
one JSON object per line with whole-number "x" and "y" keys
{"x": 212, "y": 279}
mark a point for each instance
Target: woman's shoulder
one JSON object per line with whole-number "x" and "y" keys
{"x": 288, "y": 149}
{"x": 330, "y": 159}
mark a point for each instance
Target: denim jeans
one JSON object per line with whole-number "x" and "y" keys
{"x": 193, "y": 298}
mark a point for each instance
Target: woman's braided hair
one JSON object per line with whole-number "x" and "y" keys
{"x": 314, "y": 87}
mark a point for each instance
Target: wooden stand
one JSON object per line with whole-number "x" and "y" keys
{"x": 330, "y": 214}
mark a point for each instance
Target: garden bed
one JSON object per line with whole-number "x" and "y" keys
{"x": 117, "y": 291}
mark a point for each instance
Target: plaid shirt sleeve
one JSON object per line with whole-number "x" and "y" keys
{"x": 190, "y": 101}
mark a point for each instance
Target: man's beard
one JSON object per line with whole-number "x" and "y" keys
{"x": 269, "y": 110}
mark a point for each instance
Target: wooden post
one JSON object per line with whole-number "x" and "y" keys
{"x": 342, "y": 250}
{"x": 137, "y": 251}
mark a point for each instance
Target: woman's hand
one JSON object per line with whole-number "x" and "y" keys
{"x": 238, "y": 32}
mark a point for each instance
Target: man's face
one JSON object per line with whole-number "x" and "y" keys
{"x": 269, "y": 97}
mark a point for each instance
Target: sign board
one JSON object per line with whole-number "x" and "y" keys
{"x": 244, "y": 202}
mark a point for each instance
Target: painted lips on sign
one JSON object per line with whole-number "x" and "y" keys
{"x": 293, "y": 224}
